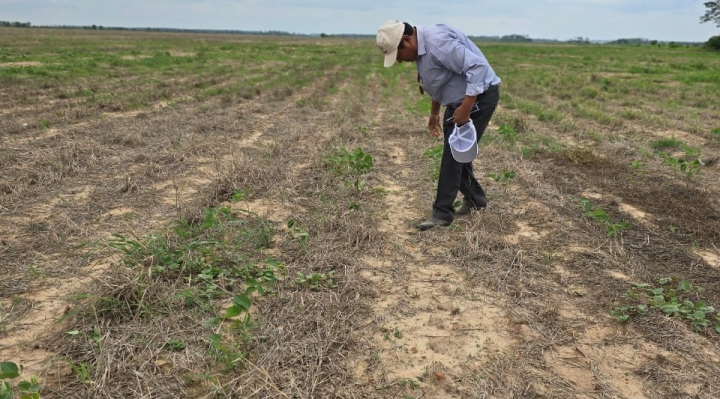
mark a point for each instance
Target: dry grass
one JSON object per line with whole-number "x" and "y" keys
{"x": 509, "y": 302}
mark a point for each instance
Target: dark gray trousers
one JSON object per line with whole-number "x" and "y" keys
{"x": 455, "y": 176}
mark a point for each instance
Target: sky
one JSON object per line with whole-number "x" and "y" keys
{"x": 665, "y": 20}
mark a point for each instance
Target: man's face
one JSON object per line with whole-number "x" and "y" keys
{"x": 408, "y": 52}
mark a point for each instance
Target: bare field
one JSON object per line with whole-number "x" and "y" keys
{"x": 148, "y": 180}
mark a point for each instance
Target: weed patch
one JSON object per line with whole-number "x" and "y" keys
{"x": 352, "y": 165}
{"x": 435, "y": 154}
{"x": 316, "y": 281}
{"x": 214, "y": 258}
{"x": 10, "y": 371}
{"x": 672, "y": 297}
{"x": 614, "y": 229}
{"x": 503, "y": 178}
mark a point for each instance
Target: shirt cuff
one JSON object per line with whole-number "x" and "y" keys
{"x": 474, "y": 89}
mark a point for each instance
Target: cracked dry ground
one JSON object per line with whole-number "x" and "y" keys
{"x": 509, "y": 302}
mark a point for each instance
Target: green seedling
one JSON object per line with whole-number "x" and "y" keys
{"x": 508, "y": 132}
{"x": 82, "y": 371}
{"x": 435, "y": 153}
{"x": 352, "y": 165}
{"x": 716, "y": 132}
{"x": 673, "y": 298}
{"x": 229, "y": 354}
{"x": 298, "y": 234}
{"x": 504, "y": 178}
{"x": 409, "y": 382}
{"x": 614, "y": 229}
{"x": 24, "y": 389}
{"x": 688, "y": 164}
{"x": 316, "y": 281}
{"x": 174, "y": 345}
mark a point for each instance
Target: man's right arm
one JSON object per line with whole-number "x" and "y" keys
{"x": 434, "y": 124}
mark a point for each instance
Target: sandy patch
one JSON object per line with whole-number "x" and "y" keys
{"x": 20, "y": 64}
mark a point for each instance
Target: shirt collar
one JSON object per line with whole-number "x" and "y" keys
{"x": 421, "y": 41}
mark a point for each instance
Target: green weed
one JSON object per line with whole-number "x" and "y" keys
{"x": 82, "y": 371}
{"x": 614, "y": 229}
{"x": 316, "y": 281}
{"x": 25, "y": 389}
{"x": 508, "y": 132}
{"x": 673, "y": 298}
{"x": 435, "y": 153}
{"x": 409, "y": 382}
{"x": 174, "y": 345}
{"x": 352, "y": 164}
{"x": 667, "y": 143}
{"x": 503, "y": 178}
{"x": 689, "y": 163}
{"x": 298, "y": 234}
{"x": 209, "y": 253}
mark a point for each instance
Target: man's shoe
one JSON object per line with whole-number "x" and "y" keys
{"x": 466, "y": 208}
{"x": 432, "y": 222}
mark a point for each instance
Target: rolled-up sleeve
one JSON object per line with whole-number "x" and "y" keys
{"x": 454, "y": 56}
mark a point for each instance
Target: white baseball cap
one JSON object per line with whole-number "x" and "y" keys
{"x": 463, "y": 143}
{"x": 388, "y": 39}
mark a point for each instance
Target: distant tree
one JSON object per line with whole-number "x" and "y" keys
{"x": 713, "y": 43}
{"x": 17, "y": 24}
{"x": 580, "y": 40}
{"x": 516, "y": 38}
{"x": 712, "y": 14}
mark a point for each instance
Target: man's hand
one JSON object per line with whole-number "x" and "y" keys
{"x": 462, "y": 113}
{"x": 434, "y": 125}
{"x": 461, "y": 116}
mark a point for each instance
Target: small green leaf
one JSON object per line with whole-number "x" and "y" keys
{"x": 665, "y": 280}
{"x": 623, "y": 318}
{"x": 684, "y": 285}
{"x": 212, "y": 322}
{"x": 717, "y": 328}
{"x": 670, "y": 309}
{"x": 5, "y": 391}
{"x": 699, "y": 315}
{"x": 232, "y": 311}
{"x": 9, "y": 370}
{"x": 73, "y": 332}
{"x": 242, "y": 301}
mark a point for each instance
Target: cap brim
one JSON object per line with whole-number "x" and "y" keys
{"x": 466, "y": 156}
{"x": 390, "y": 58}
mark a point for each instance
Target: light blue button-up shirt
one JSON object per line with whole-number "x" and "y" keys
{"x": 451, "y": 66}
